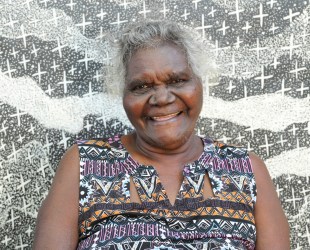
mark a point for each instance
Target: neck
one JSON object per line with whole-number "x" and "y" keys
{"x": 157, "y": 155}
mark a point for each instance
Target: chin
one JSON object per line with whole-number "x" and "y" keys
{"x": 171, "y": 141}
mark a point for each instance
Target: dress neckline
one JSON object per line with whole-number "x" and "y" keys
{"x": 188, "y": 169}
{"x": 147, "y": 177}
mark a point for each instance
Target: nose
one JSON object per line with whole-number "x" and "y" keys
{"x": 161, "y": 96}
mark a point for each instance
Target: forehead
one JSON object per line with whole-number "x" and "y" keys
{"x": 160, "y": 60}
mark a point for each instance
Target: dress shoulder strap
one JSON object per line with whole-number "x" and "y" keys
{"x": 231, "y": 158}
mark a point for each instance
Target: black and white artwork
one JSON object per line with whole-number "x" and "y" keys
{"x": 53, "y": 55}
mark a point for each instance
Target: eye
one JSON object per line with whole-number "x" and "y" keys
{"x": 140, "y": 88}
{"x": 177, "y": 82}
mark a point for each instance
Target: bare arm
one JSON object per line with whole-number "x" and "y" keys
{"x": 271, "y": 223}
{"x": 57, "y": 222}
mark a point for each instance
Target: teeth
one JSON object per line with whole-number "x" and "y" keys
{"x": 165, "y": 117}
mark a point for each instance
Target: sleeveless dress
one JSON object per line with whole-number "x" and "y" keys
{"x": 108, "y": 220}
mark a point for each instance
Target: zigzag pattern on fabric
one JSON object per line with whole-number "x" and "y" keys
{"x": 109, "y": 220}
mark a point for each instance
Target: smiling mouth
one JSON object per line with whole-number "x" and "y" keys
{"x": 165, "y": 117}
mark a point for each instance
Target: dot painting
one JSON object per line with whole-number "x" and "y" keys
{"x": 53, "y": 56}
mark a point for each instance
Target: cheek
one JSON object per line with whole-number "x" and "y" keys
{"x": 199, "y": 92}
{"x": 194, "y": 96}
{"x": 133, "y": 107}
{"x": 195, "y": 102}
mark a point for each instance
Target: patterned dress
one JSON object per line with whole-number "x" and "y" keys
{"x": 109, "y": 220}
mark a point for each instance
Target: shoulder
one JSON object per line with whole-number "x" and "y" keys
{"x": 107, "y": 149}
{"x": 263, "y": 180}
{"x": 67, "y": 172}
{"x": 95, "y": 142}
{"x": 257, "y": 165}
{"x": 229, "y": 158}
{"x": 85, "y": 148}
{"x": 259, "y": 168}
{"x": 235, "y": 157}
{"x": 70, "y": 156}
{"x": 111, "y": 143}
{"x": 229, "y": 150}
{"x": 92, "y": 147}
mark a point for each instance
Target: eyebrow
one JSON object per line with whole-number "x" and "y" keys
{"x": 136, "y": 81}
{"x": 170, "y": 76}
{"x": 177, "y": 75}
{"x": 174, "y": 75}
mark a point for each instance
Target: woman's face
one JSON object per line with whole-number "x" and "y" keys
{"x": 162, "y": 96}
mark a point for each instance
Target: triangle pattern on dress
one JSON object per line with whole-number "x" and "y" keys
{"x": 238, "y": 181}
{"x": 148, "y": 185}
{"x": 196, "y": 182}
{"x": 104, "y": 185}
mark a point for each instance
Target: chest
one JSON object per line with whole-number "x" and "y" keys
{"x": 173, "y": 185}
{"x": 206, "y": 201}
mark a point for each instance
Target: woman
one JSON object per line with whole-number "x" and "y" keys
{"x": 161, "y": 187}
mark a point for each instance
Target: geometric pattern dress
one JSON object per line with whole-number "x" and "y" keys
{"x": 109, "y": 220}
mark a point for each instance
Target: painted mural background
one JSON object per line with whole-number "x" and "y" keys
{"x": 52, "y": 56}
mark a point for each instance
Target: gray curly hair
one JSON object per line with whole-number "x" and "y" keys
{"x": 149, "y": 34}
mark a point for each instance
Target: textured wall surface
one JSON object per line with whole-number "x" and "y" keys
{"x": 52, "y": 53}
